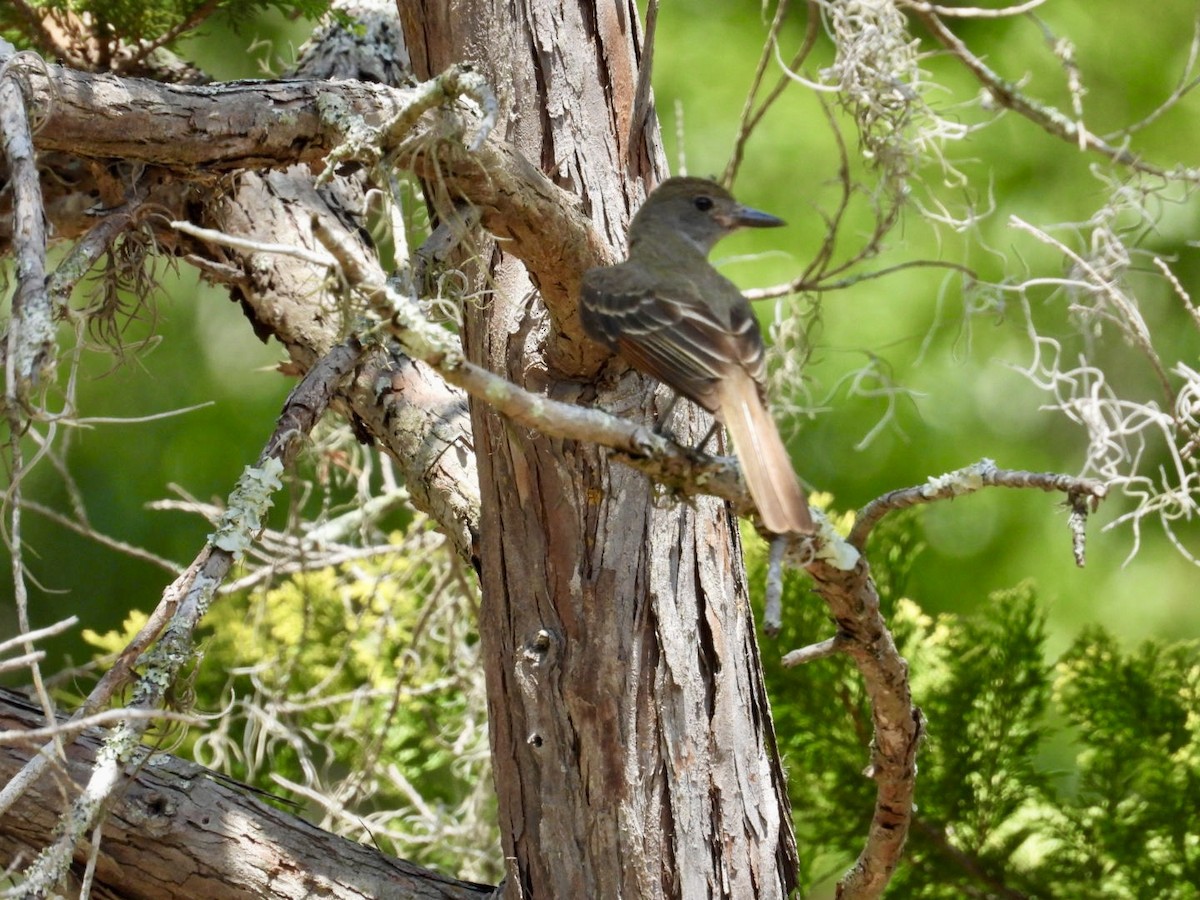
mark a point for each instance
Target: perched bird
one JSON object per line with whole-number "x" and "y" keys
{"x": 670, "y": 314}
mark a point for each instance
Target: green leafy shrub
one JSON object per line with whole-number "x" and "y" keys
{"x": 1076, "y": 778}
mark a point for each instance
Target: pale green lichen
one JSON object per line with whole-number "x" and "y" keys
{"x": 960, "y": 482}
{"x": 249, "y": 503}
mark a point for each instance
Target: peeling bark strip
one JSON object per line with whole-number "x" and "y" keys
{"x": 29, "y": 356}
{"x": 631, "y": 734}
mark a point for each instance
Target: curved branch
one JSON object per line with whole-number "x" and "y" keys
{"x": 1082, "y": 492}
{"x": 898, "y": 725}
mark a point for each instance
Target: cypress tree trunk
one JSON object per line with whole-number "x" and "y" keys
{"x": 631, "y": 736}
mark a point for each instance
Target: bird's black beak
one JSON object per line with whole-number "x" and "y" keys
{"x": 745, "y": 217}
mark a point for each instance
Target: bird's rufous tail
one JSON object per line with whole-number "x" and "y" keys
{"x": 765, "y": 461}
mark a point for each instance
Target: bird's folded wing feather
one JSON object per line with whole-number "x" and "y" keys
{"x": 669, "y": 332}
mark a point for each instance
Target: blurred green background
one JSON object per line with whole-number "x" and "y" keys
{"x": 948, "y": 353}
{"x": 966, "y": 401}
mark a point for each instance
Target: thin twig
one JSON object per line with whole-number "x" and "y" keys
{"x": 88, "y": 531}
{"x": 103, "y": 718}
{"x": 751, "y": 116}
{"x": 811, "y": 653}
{"x": 979, "y": 12}
{"x": 197, "y": 16}
{"x": 37, "y": 634}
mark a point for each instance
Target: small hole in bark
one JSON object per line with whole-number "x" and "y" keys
{"x": 535, "y": 740}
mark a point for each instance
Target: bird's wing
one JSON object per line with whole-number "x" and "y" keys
{"x": 667, "y": 329}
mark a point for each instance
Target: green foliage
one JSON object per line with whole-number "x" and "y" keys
{"x": 984, "y": 688}
{"x": 999, "y": 814}
{"x": 1133, "y": 826}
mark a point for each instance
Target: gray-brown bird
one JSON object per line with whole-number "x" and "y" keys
{"x": 673, "y": 316}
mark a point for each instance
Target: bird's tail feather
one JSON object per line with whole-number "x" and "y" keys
{"x": 764, "y": 458}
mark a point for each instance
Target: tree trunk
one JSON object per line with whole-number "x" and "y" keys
{"x": 632, "y": 741}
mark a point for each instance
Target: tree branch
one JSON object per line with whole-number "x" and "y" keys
{"x": 898, "y": 725}
{"x": 198, "y": 132}
{"x": 1082, "y": 493}
{"x": 249, "y": 849}
{"x": 29, "y": 354}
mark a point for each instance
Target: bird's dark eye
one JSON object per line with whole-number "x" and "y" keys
{"x": 702, "y": 203}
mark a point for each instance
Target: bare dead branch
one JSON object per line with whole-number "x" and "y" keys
{"x": 1187, "y": 83}
{"x": 183, "y": 605}
{"x": 983, "y": 474}
{"x": 752, "y": 115}
{"x": 979, "y": 12}
{"x": 1049, "y": 119}
{"x": 31, "y": 658}
{"x": 69, "y": 728}
{"x": 211, "y": 129}
{"x": 863, "y": 635}
{"x": 38, "y": 633}
{"x": 189, "y": 22}
{"x": 86, "y": 530}
{"x": 821, "y": 650}
{"x": 805, "y": 282}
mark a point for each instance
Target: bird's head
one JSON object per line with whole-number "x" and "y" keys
{"x": 696, "y": 209}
